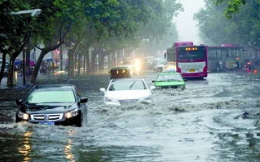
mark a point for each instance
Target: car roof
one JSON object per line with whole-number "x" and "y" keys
{"x": 120, "y": 68}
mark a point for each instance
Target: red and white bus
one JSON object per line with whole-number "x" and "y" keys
{"x": 188, "y": 59}
{"x": 231, "y": 56}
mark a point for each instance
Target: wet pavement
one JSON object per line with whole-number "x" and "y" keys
{"x": 215, "y": 119}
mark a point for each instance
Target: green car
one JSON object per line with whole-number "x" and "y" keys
{"x": 169, "y": 80}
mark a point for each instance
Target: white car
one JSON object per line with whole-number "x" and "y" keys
{"x": 126, "y": 91}
{"x": 159, "y": 64}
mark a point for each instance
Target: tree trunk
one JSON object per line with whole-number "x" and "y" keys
{"x": 38, "y": 65}
{"x": 113, "y": 59}
{"x": 2, "y": 67}
{"x": 88, "y": 62}
{"x": 93, "y": 61}
{"x": 109, "y": 61}
{"x": 10, "y": 82}
{"x": 79, "y": 63}
{"x": 84, "y": 64}
{"x": 101, "y": 61}
{"x": 71, "y": 63}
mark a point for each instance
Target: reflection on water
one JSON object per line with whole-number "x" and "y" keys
{"x": 68, "y": 152}
{"x": 68, "y": 147}
{"x": 26, "y": 148}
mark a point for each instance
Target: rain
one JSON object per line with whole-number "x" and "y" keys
{"x": 214, "y": 118}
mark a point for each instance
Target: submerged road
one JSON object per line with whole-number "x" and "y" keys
{"x": 204, "y": 122}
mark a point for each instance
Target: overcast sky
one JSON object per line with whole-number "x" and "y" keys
{"x": 186, "y": 25}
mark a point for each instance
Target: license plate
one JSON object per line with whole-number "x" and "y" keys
{"x": 192, "y": 70}
{"x": 46, "y": 123}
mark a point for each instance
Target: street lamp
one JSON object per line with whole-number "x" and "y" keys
{"x": 35, "y": 12}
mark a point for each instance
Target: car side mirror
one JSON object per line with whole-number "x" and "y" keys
{"x": 84, "y": 100}
{"x": 153, "y": 81}
{"x": 19, "y": 102}
{"x": 102, "y": 89}
{"x": 152, "y": 87}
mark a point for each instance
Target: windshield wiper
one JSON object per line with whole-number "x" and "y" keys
{"x": 174, "y": 80}
{"x": 132, "y": 85}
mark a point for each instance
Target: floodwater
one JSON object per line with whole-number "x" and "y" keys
{"x": 204, "y": 122}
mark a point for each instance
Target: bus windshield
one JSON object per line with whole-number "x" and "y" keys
{"x": 194, "y": 53}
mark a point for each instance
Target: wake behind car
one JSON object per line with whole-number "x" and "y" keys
{"x": 57, "y": 104}
{"x": 126, "y": 91}
{"x": 169, "y": 80}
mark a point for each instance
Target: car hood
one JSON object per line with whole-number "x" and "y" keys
{"x": 50, "y": 108}
{"x": 128, "y": 94}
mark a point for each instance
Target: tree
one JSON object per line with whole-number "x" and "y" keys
{"x": 160, "y": 32}
{"x": 241, "y": 28}
{"x": 119, "y": 20}
{"x": 233, "y": 6}
{"x": 65, "y": 18}
{"x": 14, "y": 32}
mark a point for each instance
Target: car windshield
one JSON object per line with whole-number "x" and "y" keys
{"x": 119, "y": 85}
{"x": 169, "y": 77}
{"x": 50, "y": 96}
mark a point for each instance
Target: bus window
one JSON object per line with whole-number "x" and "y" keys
{"x": 219, "y": 53}
{"x": 191, "y": 54}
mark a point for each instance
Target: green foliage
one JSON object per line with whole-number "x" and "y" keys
{"x": 108, "y": 18}
{"x": 125, "y": 23}
{"x": 12, "y": 27}
{"x": 241, "y": 28}
{"x": 233, "y": 6}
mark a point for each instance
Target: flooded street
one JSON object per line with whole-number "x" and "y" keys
{"x": 204, "y": 122}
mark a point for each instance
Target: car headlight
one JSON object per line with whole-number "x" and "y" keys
{"x": 72, "y": 113}
{"x": 23, "y": 116}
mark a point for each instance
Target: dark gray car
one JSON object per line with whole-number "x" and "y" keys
{"x": 53, "y": 105}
